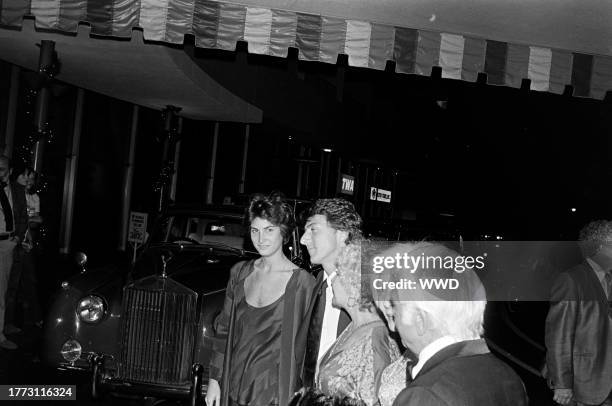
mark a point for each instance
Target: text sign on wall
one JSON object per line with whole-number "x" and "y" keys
{"x": 380, "y": 195}
{"x": 138, "y": 227}
{"x": 347, "y": 184}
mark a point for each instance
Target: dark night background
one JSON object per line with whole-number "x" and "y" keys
{"x": 500, "y": 159}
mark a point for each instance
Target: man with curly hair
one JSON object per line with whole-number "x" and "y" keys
{"x": 331, "y": 224}
{"x": 579, "y": 324}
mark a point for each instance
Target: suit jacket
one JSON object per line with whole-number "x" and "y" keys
{"x": 310, "y": 337}
{"x": 20, "y": 211}
{"x": 579, "y": 336}
{"x": 464, "y": 374}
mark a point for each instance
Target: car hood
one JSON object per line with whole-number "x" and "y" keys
{"x": 202, "y": 269}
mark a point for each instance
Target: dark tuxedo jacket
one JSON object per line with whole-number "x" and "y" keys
{"x": 464, "y": 374}
{"x": 579, "y": 336}
{"x": 312, "y": 337}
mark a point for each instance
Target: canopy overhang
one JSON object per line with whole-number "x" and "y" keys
{"x": 153, "y": 75}
{"x": 581, "y": 26}
{"x": 553, "y": 43}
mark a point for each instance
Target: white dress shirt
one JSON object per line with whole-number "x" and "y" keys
{"x": 601, "y": 274}
{"x": 329, "y": 328}
{"x": 430, "y": 350}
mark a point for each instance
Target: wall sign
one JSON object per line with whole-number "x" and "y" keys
{"x": 137, "y": 230}
{"x": 347, "y": 184}
{"x": 380, "y": 195}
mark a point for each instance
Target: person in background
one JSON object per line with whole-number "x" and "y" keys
{"x": 23, "y": 285}
{"x": 578, "y": 333}
{"x": 255, "y": 357}
{"x": 13, "y": 224}
{"x": 28, "y": 179}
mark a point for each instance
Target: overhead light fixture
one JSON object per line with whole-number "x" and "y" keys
{"x": 327, "y": 150}
{"x": 443, "y": 104}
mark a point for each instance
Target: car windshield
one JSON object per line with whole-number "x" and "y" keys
{"x": 206, "y": 229}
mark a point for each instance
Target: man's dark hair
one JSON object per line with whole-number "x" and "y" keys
{"x": 593, "y": 235}
{"x": 340, "y": 214}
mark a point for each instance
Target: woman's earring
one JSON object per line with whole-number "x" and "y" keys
{"x": 351, "y": 302}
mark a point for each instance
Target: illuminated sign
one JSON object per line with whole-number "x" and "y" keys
{"x": 380, "y": 195}
{"x": 347, "y": 184}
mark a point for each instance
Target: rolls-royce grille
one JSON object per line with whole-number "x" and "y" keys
{"x": 158, "y": 334}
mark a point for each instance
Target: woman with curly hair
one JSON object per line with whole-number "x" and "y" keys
{"x": 255, "y": 359}
{"x": 353, "y": 366}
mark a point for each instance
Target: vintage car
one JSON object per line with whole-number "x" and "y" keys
{"x": 147, "y": 330}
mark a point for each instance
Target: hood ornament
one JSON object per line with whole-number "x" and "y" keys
{"x": 165, "y": 259}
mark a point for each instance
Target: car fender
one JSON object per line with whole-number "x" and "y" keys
{"x": 62, "y": 322}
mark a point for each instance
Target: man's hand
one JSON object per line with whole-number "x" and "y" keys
{"x": 213, "y": 394}
{"x": 562, "y": 396}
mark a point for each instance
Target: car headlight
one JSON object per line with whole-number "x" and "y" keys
{"x": 90, "y": 309}
{"x": 71, "y": 350}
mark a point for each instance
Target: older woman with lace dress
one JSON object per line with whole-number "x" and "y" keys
{"x": 354, "y": 364}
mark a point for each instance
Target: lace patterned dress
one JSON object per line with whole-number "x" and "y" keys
{"x": 354, "y": 364}
{"x": 393, "y": 380}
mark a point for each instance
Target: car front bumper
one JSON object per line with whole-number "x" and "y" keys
{"x": 102, "y": 380}
{"x": 117, "y": 386}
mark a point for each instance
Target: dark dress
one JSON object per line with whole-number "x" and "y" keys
{"x": 264, "y": 360}
{"x": 256, "y": 349}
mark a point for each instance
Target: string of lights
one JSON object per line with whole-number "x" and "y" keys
{"x": 43, "y": 131}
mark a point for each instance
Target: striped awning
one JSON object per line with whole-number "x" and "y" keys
{"x": 270, "y": 31}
